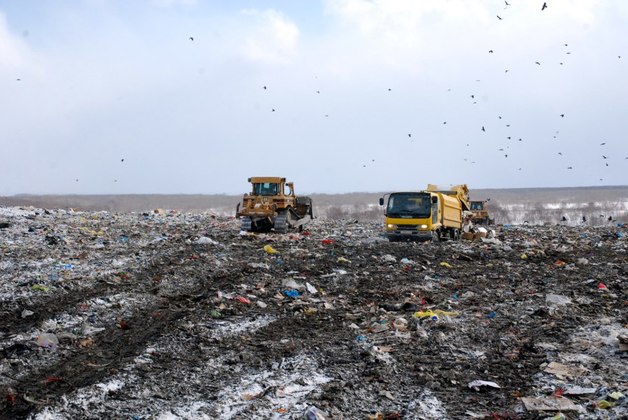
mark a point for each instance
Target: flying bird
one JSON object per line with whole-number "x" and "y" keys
{"x": 490, "y": 51}
{"x": 604, "y": 157}
{"x": 273, "y": 110}
{"x": 537, "y": 63}
{"x": 191, "y": 38}
{"x": 544, "y": 6}
{"x": 389, "y": 89}
{"x": 562, "y": 115}
{"x": 569, "y": 167}
{"x": 602, "y": 144}
{"x": 18, "y": 80}
{"x": 507, "y": 4}
{"x": 444, "y": 122}
{"x": 264, "y": 87}
{"x": 409, "y": 134}
{"x": 483, "y": 129}
{"x": 498, "y": 17}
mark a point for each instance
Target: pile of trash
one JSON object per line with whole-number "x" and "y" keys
{"x": 180, "y": 315}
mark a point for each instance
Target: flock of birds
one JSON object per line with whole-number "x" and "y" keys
{"x": 482, "y": 128}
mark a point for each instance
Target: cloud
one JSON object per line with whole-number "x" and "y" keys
{"x": 12, "y": 54}
{"x": 274, "y": 37}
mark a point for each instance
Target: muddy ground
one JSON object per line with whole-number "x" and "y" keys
{"x": 179, "y": 315}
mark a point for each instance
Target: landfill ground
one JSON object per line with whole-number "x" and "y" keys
{"x": 168, "y": 315}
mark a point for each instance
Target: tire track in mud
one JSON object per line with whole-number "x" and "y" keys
{"x": 46, "y": 307}
{"x": 113, "y": 347}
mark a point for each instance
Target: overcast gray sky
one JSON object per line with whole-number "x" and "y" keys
{"x": 336, "y": 95}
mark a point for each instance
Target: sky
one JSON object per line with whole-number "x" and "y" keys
{"x": 195, "y": 96}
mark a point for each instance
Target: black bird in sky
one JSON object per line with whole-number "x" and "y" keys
{"x": 273, "y": 110}
{"x": 191, "y": 38}
{"x": 569, "y": 167}
{"x": 122, "y": 160}
{"x": 544, "y": 6}
{"x": 602, "y": 144}
{"x": 483, "y": 129}
{"x": 18, "y": 80}
{"x": 537, "y": 63}
{"x": 498, "y": 17}
{"x": 604, "y": 157}
{"x": 562, "y": 115}
{"x": 444, "y": 122}
{"x": 409, "y": 134}
{"x": 507, "y": 4}
{"x": 490, "y": 51}
{"x": 264, "y": 87}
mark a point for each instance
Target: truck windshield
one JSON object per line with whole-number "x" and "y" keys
{"x": 477, "y": 205}
{"x": 415, "y": 205}
{"x": 265, "y": 188}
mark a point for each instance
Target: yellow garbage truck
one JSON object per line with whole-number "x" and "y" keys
{"x": 430, "y": 214}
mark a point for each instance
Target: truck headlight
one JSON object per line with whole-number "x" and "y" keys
{"x": 423, "y": 226}
{"x": 389, "y": 226}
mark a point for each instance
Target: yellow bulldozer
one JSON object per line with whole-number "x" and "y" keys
{"x": 272, "y": 205}
{"x": 480, "y": 214}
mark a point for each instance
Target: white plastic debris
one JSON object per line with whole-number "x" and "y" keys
{"x": 478, "y": 383}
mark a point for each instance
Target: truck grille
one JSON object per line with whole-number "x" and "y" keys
{"x": 407, "y": 227}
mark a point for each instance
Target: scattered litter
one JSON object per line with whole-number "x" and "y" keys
{"x": 270, "y": 250}
{"x": 477, "y": 384}
{"x": 48, "y": 340}
{"x": 550, "y": 404}
{"x": 562, "y": 371}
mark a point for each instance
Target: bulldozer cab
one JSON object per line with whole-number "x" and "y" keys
{"x": 266, "y": 188}
{"x": 270, "y": 186}
{"x": 477, "y": 205}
